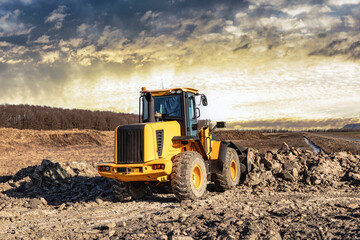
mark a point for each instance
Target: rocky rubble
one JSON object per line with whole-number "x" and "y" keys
{"x": 58, "y": 183}
{"x": 290, "y": 194}
{"x": 285, "y": 169}
{"x": 289, "y": 168}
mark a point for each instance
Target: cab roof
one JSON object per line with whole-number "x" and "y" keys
{"x": 168, "y": 91}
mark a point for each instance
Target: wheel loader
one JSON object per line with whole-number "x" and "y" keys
{"x": 168, "y": 149}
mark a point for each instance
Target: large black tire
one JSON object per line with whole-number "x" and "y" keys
{"x": 137, "y": 190}
{"x": 120, "y": 192}
{"x": 231, "y": 172}
{"x": 161, "y": 189}
{"x": 189, "y": 176}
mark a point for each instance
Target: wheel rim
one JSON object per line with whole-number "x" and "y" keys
{"x": 197, "y": 176}
{"x": 233, "y": 170}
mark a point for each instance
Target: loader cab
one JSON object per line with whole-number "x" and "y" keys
{"x": 177, "y": 104}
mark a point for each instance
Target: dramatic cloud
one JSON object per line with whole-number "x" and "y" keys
{"x": 254, "y": 59}
{"x": 10, "y": 25}
{"x": 42, "y": 39}
{"x": 57, "y": 16}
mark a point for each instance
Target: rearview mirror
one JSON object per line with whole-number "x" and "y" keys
{"x": 204, "y": 100}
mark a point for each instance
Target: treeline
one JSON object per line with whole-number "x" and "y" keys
{"x": 48, "y": 118}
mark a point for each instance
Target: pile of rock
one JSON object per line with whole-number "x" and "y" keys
{"x": 290, "y": 166}
{"x": 59, "y": 183}
{"x": 285, "y": 169}
{"x": 350, "y": 165}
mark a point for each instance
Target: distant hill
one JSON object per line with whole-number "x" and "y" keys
{"x": 354, "y": 126}
{"x": 49, "y": 118}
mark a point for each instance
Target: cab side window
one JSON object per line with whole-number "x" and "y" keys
{"x": 192, "y": 122}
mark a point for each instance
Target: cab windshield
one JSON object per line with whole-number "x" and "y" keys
{"x": 169, "y": 106}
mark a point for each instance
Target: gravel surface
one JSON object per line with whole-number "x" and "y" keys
{"x": 290, "y": 194}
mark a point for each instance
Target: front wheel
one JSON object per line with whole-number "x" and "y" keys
{"x": 137, "y": 190}
{"x": 189, "y": 176}
{"x": 120, "y": 191}
{"x": 229, "y": 177}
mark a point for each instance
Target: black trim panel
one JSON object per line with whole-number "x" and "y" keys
{"x": 223, "y": 149}
{"x": 130, "y": 143}
{"x": 185, "y": 138}
{"x": 160, "y": 141}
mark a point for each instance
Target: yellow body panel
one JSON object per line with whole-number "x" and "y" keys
{"x": 205, "y": 138}
{"x": 171, "y": 129}
{"x": 147, "y": 173}
{"x": 215, "y": 146}
{"x": 212, "y": 147}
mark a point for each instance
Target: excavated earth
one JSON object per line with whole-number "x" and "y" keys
{"x": 290, "y": 194}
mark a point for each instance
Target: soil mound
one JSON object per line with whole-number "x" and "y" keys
{"x": 11, "y": 139}
{"x": 59, "y": 183}
{"x": 238, "y": 135}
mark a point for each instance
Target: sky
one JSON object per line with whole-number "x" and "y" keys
{"x": 260, "y": 63}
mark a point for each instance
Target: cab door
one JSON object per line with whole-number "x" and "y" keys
{"x": 191, "y": 115}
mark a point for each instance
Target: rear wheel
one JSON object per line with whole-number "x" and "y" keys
{"x": 137, "y": 190}
{"x": 189, "y": 176}
{"x": 231, "y": 172}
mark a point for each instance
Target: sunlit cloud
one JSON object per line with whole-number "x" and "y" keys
{"x": 344, "y": 2}
{"x": 57, "y": 17}
{"x": 43, "y": 39}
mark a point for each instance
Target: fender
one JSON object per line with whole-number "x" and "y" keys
{"x": 192, "y": 142}
{"x": 245, "y": 156}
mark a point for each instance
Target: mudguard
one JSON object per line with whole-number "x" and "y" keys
{"x": 246, "y": 156}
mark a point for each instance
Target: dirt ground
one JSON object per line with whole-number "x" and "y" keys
{"x": 349, "y": 135}
{"x": 22, "y": 148}
{"x": 292, "y": 193}
{"x": 336, "y": 142}
{"x": 263, "y": 141}
{"x": 328, "y": 141}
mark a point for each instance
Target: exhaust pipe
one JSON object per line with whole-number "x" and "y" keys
{"x": 150, "y": 101}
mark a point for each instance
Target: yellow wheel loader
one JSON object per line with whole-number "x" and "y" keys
{"x": 168, "y": 149}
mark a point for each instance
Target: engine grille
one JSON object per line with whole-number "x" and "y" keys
{"x": 130, "y": 144}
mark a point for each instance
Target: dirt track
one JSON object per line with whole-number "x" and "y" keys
{"x": 291, "y": 194}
